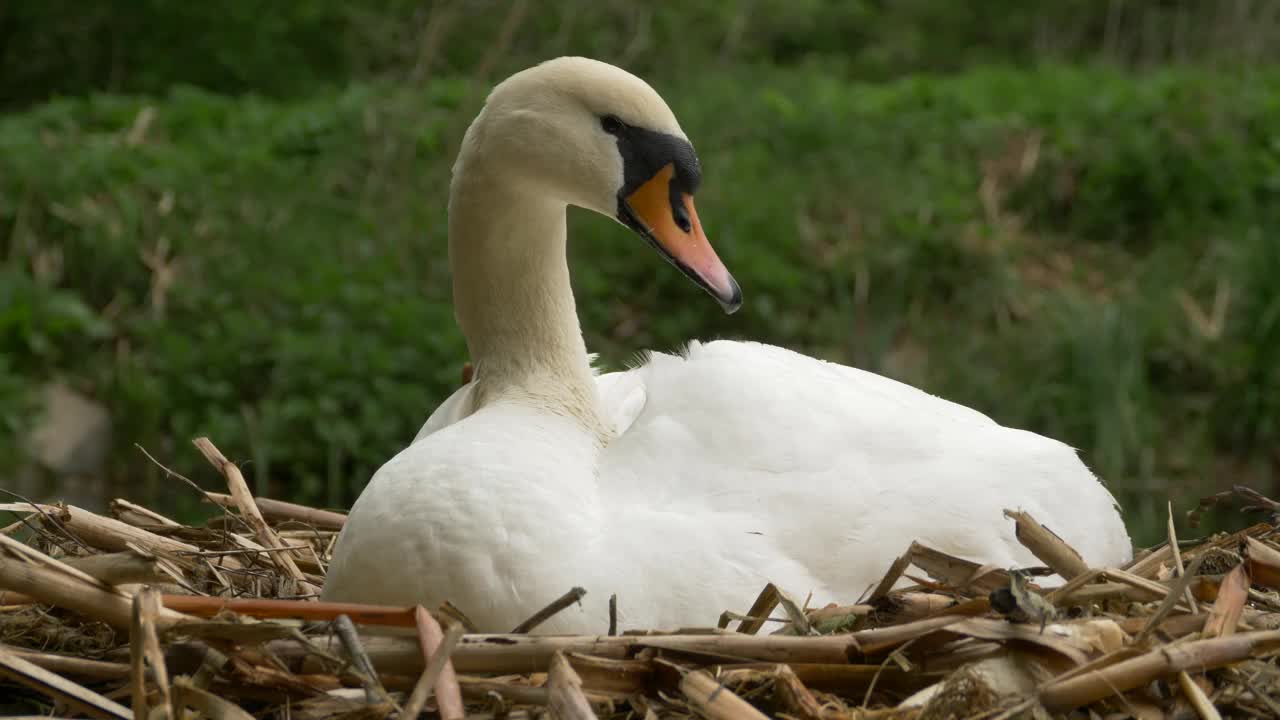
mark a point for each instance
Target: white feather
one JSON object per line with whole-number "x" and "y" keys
{"x": 682, "y": 485}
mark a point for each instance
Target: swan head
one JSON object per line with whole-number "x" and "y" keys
{"x": 589, "y": 134}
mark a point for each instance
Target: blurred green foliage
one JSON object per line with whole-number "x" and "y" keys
{"x": 245, "y": 237}
{"x": 289, "y": 49}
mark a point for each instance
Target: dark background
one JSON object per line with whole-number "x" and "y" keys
{"x": 227, "y": 219}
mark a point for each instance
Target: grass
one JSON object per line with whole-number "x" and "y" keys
{"x": 1045, "y": 245}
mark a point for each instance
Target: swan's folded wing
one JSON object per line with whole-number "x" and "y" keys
{"x": 622, "y": 398}
{"x": 455, "y": 408}
{"x": 829, "y": 456}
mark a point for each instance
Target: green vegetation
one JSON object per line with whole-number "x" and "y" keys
{"x": 1086, "y": 251}
{"x": 69, "y": 47}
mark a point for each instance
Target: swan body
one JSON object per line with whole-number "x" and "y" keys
{"x": 684, "y": 484}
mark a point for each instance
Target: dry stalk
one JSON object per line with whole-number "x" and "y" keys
{"x": 265, "y": 608}
{"x": 1086, "y": 588}
{"x": 533, "y": 653}
{"x": 137, "y": 515}
{"x": 836, "y": 614}
{"x": 958, "y": 573}
{"x": 373, "y": 690}
{"x": 906, "y": 640}
{"x": 144, "y": 650}
{"x": 997, "y": 630}
{"x": 1156, "y": 589}
{"x": 878, "y": 640}
{"x": 1195, "y": 695}
{"x": 435, "y": 665}
{"x": 1175, "y": 626}
{"x": 525, "y": 653}
{"x": 799, "y": 620}
{"x": 249, "y": 511}
{"x": 1177, "y": 560}
{"x": 765, "y": 603}
{"x": 187, "y": 694}
{"x": 566, "y": 701}
{"x": 50, "y": 581}
{"x": 1052, "y": 550}
{"x": 281, "y": 511}
{"x": 450, "y": 611}
{"x": 112, "y": 535}
{"x": 1264, "y": 563}
{"x": 1198, "y": 655}
{"x": 1149, "y": 565}
{"x": 714, "y": 700}
{"x": 71, "y": 665}
{"x": 77, "y": 697}
{"x": 546, "y": 613}
{"x": 475, "y": 688}
{"x": 797, "y": 699}
{"x": 431, "y": 639}
{"x": 892, "y": 576}
{"x": 607, "y": 675}
{"x": 1225, "y": 614}
{"x": 120, "y": 568}
{"x": 1170, "y": 601}
{"x": 768, "y": 648}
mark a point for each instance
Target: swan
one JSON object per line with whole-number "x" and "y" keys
{"x": 685, "y": 484}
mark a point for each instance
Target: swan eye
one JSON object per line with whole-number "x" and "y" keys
{"x": 681, "y": 216}
{"x": 611, "y": 124}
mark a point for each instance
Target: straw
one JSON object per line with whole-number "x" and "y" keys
{"x": 221, "y": 618}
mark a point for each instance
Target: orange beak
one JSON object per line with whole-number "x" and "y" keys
{"x": 668, "y": 220}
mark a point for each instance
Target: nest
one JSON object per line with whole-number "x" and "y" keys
{"x": 135, "y": 615}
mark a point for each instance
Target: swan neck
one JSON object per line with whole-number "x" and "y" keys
{"x": 514, "y": 301}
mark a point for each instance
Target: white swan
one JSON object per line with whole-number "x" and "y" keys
{"x": 685, "y": 484}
